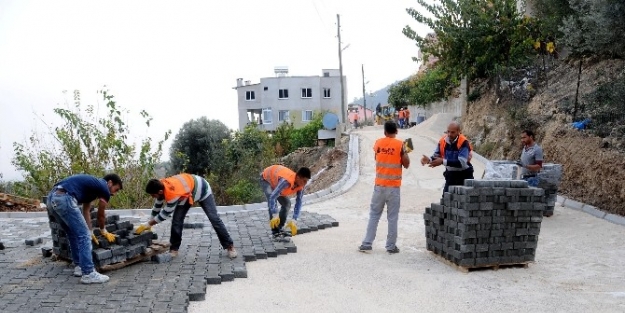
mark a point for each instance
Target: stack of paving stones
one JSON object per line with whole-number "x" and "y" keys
{"x": 486, "y": 223}
{"x": 549, "y": 180}
{"x": 127, "y": 245}
{"x": 30, "y": 283}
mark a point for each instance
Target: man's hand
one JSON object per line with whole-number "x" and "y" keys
{"x": 109, "y": 237}
{"x": 95, "y": 239}
{"x": 143, "y": 227}
{"x": 436, "y": 162}
{"x": 274, "y": 222}
{"x": 425, "y": 160}
{"x": 408, "y": 145}
{"x": 292, "y": 224}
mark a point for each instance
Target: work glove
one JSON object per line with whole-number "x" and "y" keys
{"x": 274, "y": 222}
{"x": 292, "y": 224}
{"x": 109, "y": 237}
{"x": 143, "y": 227}
{"x": 408, "y": 147}
{"x": 95, "y": 239}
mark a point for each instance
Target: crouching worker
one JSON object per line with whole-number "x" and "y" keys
{"x": 175, "y": 195}
{"x": 278, "y": 183}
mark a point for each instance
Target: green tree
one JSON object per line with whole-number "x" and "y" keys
{"x": 432, "y": 85}
{"x": 473, "y": 38}
{"x": 197, "y": 148}
{"x": 281, "y": 139}
{"x": 307, "y": 135}
{"x": 87, "y": 143}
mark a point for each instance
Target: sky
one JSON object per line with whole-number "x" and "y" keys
{"x": 179, "y": 60}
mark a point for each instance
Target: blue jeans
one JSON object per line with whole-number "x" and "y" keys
{"x": 285, "y": 204}
{"x": 66, "y": 209}
{"x": 531, "y": 181}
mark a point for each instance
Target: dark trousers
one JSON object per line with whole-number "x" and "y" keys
{"x": 453, "y": 178}
{"x": 285, "y": 205}
{"x": 210, "y": 209}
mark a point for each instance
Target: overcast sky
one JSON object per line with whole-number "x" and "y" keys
{"x": 179, "y": 60}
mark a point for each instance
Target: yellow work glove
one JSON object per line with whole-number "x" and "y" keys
{"x": 142, "y": 228}
{"x": 292, "y": 224}
{"x": 274, "y": 222}
{"x": 110, "y": 237}
{"x": 94, "y": 239}
{"x": 408, "y": 145}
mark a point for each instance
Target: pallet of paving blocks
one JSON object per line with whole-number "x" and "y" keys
{"x": 486, "y": 223}
{"x": 128, "y": 248}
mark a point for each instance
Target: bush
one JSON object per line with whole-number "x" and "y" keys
{"x": 307, "y": 135}
{"x": 89, "y": 144}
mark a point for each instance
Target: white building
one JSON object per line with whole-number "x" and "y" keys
{"x": 286, "y": 98}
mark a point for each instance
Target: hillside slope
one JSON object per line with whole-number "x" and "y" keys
{"x": 593, "y": 166}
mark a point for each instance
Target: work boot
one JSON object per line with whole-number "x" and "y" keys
{"x": 393, "y": 251}
{"x": 77, "y": 271}
{"x": 232, "y": 252}
{"x": 364, "y": 248}
{"x": 173, "y": 253}
{"x": 94, "y": 278}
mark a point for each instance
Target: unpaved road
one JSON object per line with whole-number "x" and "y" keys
{"x": 580, "y": 263}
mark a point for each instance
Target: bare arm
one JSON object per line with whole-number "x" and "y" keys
{"x": 86, "y": 213}
{"x": 101, "y": 214}
{"x": 405, "y": 159}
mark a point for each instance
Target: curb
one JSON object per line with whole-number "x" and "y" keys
{"x": 566, "y": 202}
{"x": 348, "y": 180}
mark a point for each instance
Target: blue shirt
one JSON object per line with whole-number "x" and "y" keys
{"x": 456, "y": 158}
{"x": 85, "y": 188}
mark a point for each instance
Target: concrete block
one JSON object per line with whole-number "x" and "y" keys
{"x": 518, "y": 184}
{"x": 616, "y": 219}
{"x": 593, "y": 211}
{"x": 575, "y": 205}
{"x": 46, "y": 252}
{"x": 101, "y": 254}
{"x": 483, "y": 183}
{"x": 213, "y": 279}
{"x": 161, "y": 258}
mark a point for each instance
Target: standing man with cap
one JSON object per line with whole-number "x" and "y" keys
{"x": 278, "y": 183}
{"x": 390, "y": 156}
{"x": 63, "y": 202}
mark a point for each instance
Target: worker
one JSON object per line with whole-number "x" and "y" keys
{"x": 63, "y": 202}
{"x": 390, "y": 156}
{"x": 454, "y": 152}
{"x": 406, "y": 117}
{"x": 175, "y": 195}
{"x": 278, "y": 183}
{"x": 401, "y": 116}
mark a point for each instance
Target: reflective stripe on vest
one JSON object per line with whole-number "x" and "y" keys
{"x": 388, "y": 168}
{"x": 273, "y": 173}
{"x": 180, "y": 185}
{"x": 442, "y": 143}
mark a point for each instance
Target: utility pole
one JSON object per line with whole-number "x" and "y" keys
{"x": 338, "y": 31}
{"x": 364, "y": 95}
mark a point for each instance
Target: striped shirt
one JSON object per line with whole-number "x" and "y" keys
{"x": 283, "y": 184}
{"x": 162, "y": 210}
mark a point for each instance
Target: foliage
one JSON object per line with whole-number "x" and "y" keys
{"x": 197, "y": 148}
{"x": 595, "y": 28}
{"x": 307, "y": 136}
{"x": 552, "y": 13}
{"x": 474, "y": 38}
{"x": 422, "y": 89}
{"x": 282, "y": 139}
{"x": 605, "y": 107}
{"x": 87, "y": 143}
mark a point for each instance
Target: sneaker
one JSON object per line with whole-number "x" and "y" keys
{"x": 232, "y": 253}
{"x": 77, "y": 271}
{"x": 173, "y": 253}
{"x": 364, "y": 248}
{"x": 392, "y": 251}
{"x": 94, "y": 278}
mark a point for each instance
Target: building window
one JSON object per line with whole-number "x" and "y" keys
{"x": 267, "y": 116}
{"x": 307, "y": 116}
{"x": 283, "y": 94}
{"x": 326, "y": 92}
{"x": 326, "y": 74}
{"x": 283, "y": 116}
{"x": 266, "y": 88}
{"x": 250, "y": 95}
{"x": 306, "y": 93}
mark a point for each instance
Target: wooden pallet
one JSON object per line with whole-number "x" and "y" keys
{"x": 466, "y": 269}
{"x": 5, "y": 197}
{"x": 157, "y": 247}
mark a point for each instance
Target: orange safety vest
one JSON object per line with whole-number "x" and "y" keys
{"x": 407, "y": 113}
{"x": 388, "y": 165}
{"x": 401, "y": 114}
{"x": 180, "y": 185}
{"x": 461, "y": 139}
{"x": 273, "y": 173}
